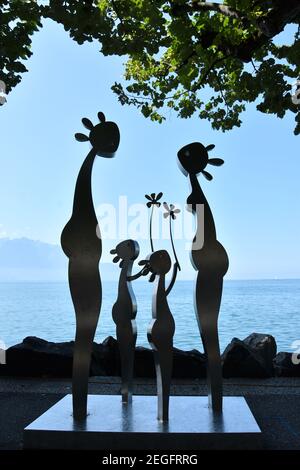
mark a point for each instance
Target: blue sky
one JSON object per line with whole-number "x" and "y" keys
{"x": 254, "y": 196}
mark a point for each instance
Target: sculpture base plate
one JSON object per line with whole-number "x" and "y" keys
{"x": 111, "y": 425}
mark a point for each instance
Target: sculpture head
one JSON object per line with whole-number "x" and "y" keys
{"x": 193, "y": 159}
{"x": 160, "y": 262}
{"x": 128, "y": 250}
{"x": 104, "y": 137}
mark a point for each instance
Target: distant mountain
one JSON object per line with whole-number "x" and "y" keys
{"x": 22, "y": 259}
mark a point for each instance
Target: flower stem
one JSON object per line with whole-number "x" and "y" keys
{"x": 172, "y": 242}
{"x": 151, "y": 217}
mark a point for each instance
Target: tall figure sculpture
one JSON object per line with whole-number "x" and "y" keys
{"x": 82, "y": 245}
{"x": 210, "y": 259}
{"x": 124, "y": 312}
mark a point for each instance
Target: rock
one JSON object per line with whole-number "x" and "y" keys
{"x": 284, "y": 365}
{"x": 186, "y": 364}
{"x": 35, "y": 357}
{"x": 252, "y": 357}
{"x": 106, "y": 358}
{"x": 144, "y": 363}
{"x": 266, "y": 346}
{"x": 189, "y": 364}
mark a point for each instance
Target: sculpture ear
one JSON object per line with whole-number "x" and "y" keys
{"x": 210, "y": 147}
{"x": 101, "y": 116}
{"x": 207, "y": 175}
{"x": 87, "y": 123}
{"x": 81, "y": 137}
{"x": 215, "y": 161}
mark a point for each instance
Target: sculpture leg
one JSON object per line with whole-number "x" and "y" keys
{"x": 163, "y": 366}
{"x": 127, "y": 339}
{"x": 85, "y": 289}
{"x": 208, "y": 299}
{"x": 214, "y": 368}
{"x": 81, "y": 369}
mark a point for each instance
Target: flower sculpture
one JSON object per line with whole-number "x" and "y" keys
{"x": 171, "y": 213}
{"x": 153, "y": 200}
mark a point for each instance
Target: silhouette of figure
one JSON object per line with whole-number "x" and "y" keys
{"x": 82, "y": 245}
{"x": 124, "y": 312}
{"x": 210, "y": 259}
{"x": 162, "y": 328}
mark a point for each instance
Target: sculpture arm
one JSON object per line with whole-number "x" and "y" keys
{"x": 172, "y": 282}
{"x": 137, "y": 275}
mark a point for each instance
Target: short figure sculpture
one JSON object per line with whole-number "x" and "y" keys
{"x": 81, "y": 242}
{"x": 124, "y": 312}
{"x": 210, "y": 259}
{"x": 162, "y": 328}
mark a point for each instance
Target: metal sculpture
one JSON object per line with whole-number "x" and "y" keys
{"x": 153, "y": 201}
{"x": 210, "y": 259}
{"x": 82, "y": 245}
{"x": 162, "y": 328}
{"x": 124, "y": 312}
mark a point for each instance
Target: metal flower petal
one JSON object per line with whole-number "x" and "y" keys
{"x": 170, "y": 211}
{"x": 153, "y": 199}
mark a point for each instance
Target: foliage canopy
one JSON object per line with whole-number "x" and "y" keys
{"x": 195, "y": 57}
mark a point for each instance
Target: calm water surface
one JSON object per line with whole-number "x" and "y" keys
{"x": 45, "y": 310}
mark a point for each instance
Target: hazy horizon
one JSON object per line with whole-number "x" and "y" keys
{"x": 24, "y": 261}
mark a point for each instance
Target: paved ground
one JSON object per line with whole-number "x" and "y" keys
{"x": 275, "y": 404}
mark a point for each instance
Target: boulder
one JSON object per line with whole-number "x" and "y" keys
{"x": 252, "y": 357}
{"x": 189, "y": 364}
{"x": 265, "y": 345}
{"x": 35, "y": 357}
{"x": 144, "y": 363}
{"x": 186, "y": 364}
{"x": 285, "y": 365}
{"x": 106, "y": 358}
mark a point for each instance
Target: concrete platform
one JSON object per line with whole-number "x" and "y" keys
{"x": 111, "y": 425}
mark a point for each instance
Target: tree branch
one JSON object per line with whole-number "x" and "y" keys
{"x": 269, "y": 26}
{"x": 213, "y": 6}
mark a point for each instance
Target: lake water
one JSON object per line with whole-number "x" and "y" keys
{"x": 45, "y": 310}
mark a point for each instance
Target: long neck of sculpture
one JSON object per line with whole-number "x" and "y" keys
{"x": 198, "y": 197}
{"x": 83, "y": 201}
{"x": 159, "y": 297}
{"x": 125, "y": 273}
